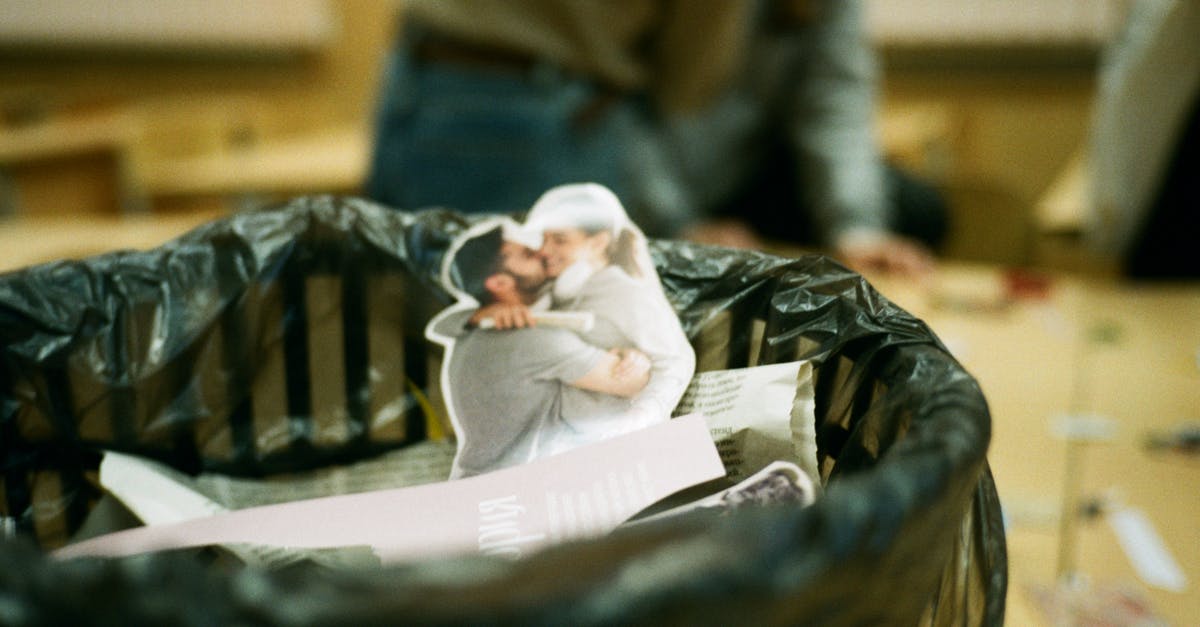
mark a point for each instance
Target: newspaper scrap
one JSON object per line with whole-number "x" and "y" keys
{"x": 417, "y": 464}
{"x": 1080, "y": 602}
{"x": 583, "y": 493}
{"x": 779, "y": 483}
{"x": 758, "y": 415}
{"x": 1146, "y": 550}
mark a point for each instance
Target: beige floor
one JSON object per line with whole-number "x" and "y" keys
{"x": 1125, "y": 353}
{"x": 1130, "y": 354}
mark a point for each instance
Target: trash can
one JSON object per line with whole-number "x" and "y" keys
{"x": 291, "y": 338}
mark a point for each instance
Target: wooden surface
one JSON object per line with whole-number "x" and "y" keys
{"x": 331, "y": 160}
{"x": 1088, "y": 346}
{"x": 94, "y": 164}
{"x": 26, "y": 241}
{"x": 1127, "y": 353}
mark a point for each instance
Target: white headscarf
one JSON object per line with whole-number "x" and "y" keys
{"x": 588, "y": 206}
{"x": 593, "y": 208}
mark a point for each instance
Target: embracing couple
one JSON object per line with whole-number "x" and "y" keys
{"x": 562, "y": 335}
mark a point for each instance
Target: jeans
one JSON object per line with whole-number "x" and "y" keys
{"x": 486, "y": 141}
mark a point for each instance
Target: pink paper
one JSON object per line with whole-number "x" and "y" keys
{"x": 583, "y": 493}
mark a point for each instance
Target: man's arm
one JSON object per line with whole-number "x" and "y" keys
{"x": 504, "y": 316}
{"x": 620, "y": 372}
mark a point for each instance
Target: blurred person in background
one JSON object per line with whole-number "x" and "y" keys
{"x": 1146, "y": 142}
{"x": 718, "y": 122}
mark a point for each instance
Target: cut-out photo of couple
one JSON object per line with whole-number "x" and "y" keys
{"x": 561, "y": 335}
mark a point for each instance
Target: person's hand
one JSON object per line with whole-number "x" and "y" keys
{"x": 887, "y": 253}
{"x": 631, "y": 364}
{"x": 503, "y": 316}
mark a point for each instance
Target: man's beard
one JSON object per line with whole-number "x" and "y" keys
{"x": 530, "y": 285}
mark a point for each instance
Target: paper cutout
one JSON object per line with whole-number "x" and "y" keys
{"x": 780, "y": 483}
{"x": 1146, "y": 550}
{"x": 561, "y": 335}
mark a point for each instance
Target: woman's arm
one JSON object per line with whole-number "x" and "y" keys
{"x": 621, "y": 372}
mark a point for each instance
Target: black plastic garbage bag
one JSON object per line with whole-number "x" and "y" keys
{"x": 291, "y": 338}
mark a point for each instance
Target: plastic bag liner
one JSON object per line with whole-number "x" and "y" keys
{"x": 291, "y": 338}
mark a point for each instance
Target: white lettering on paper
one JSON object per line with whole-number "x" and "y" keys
{"x": 499, "y": 530}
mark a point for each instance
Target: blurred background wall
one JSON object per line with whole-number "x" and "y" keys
{"x": 181, "y": 105}
{"x": 991, "y": 101}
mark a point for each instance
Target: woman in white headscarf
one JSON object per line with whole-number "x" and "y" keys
{"x": 600, "y": 264}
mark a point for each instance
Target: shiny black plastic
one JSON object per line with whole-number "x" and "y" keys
{"x": 291, "y": 338}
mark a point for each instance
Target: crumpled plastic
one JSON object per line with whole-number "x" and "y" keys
{"x": 290, "y": 338}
